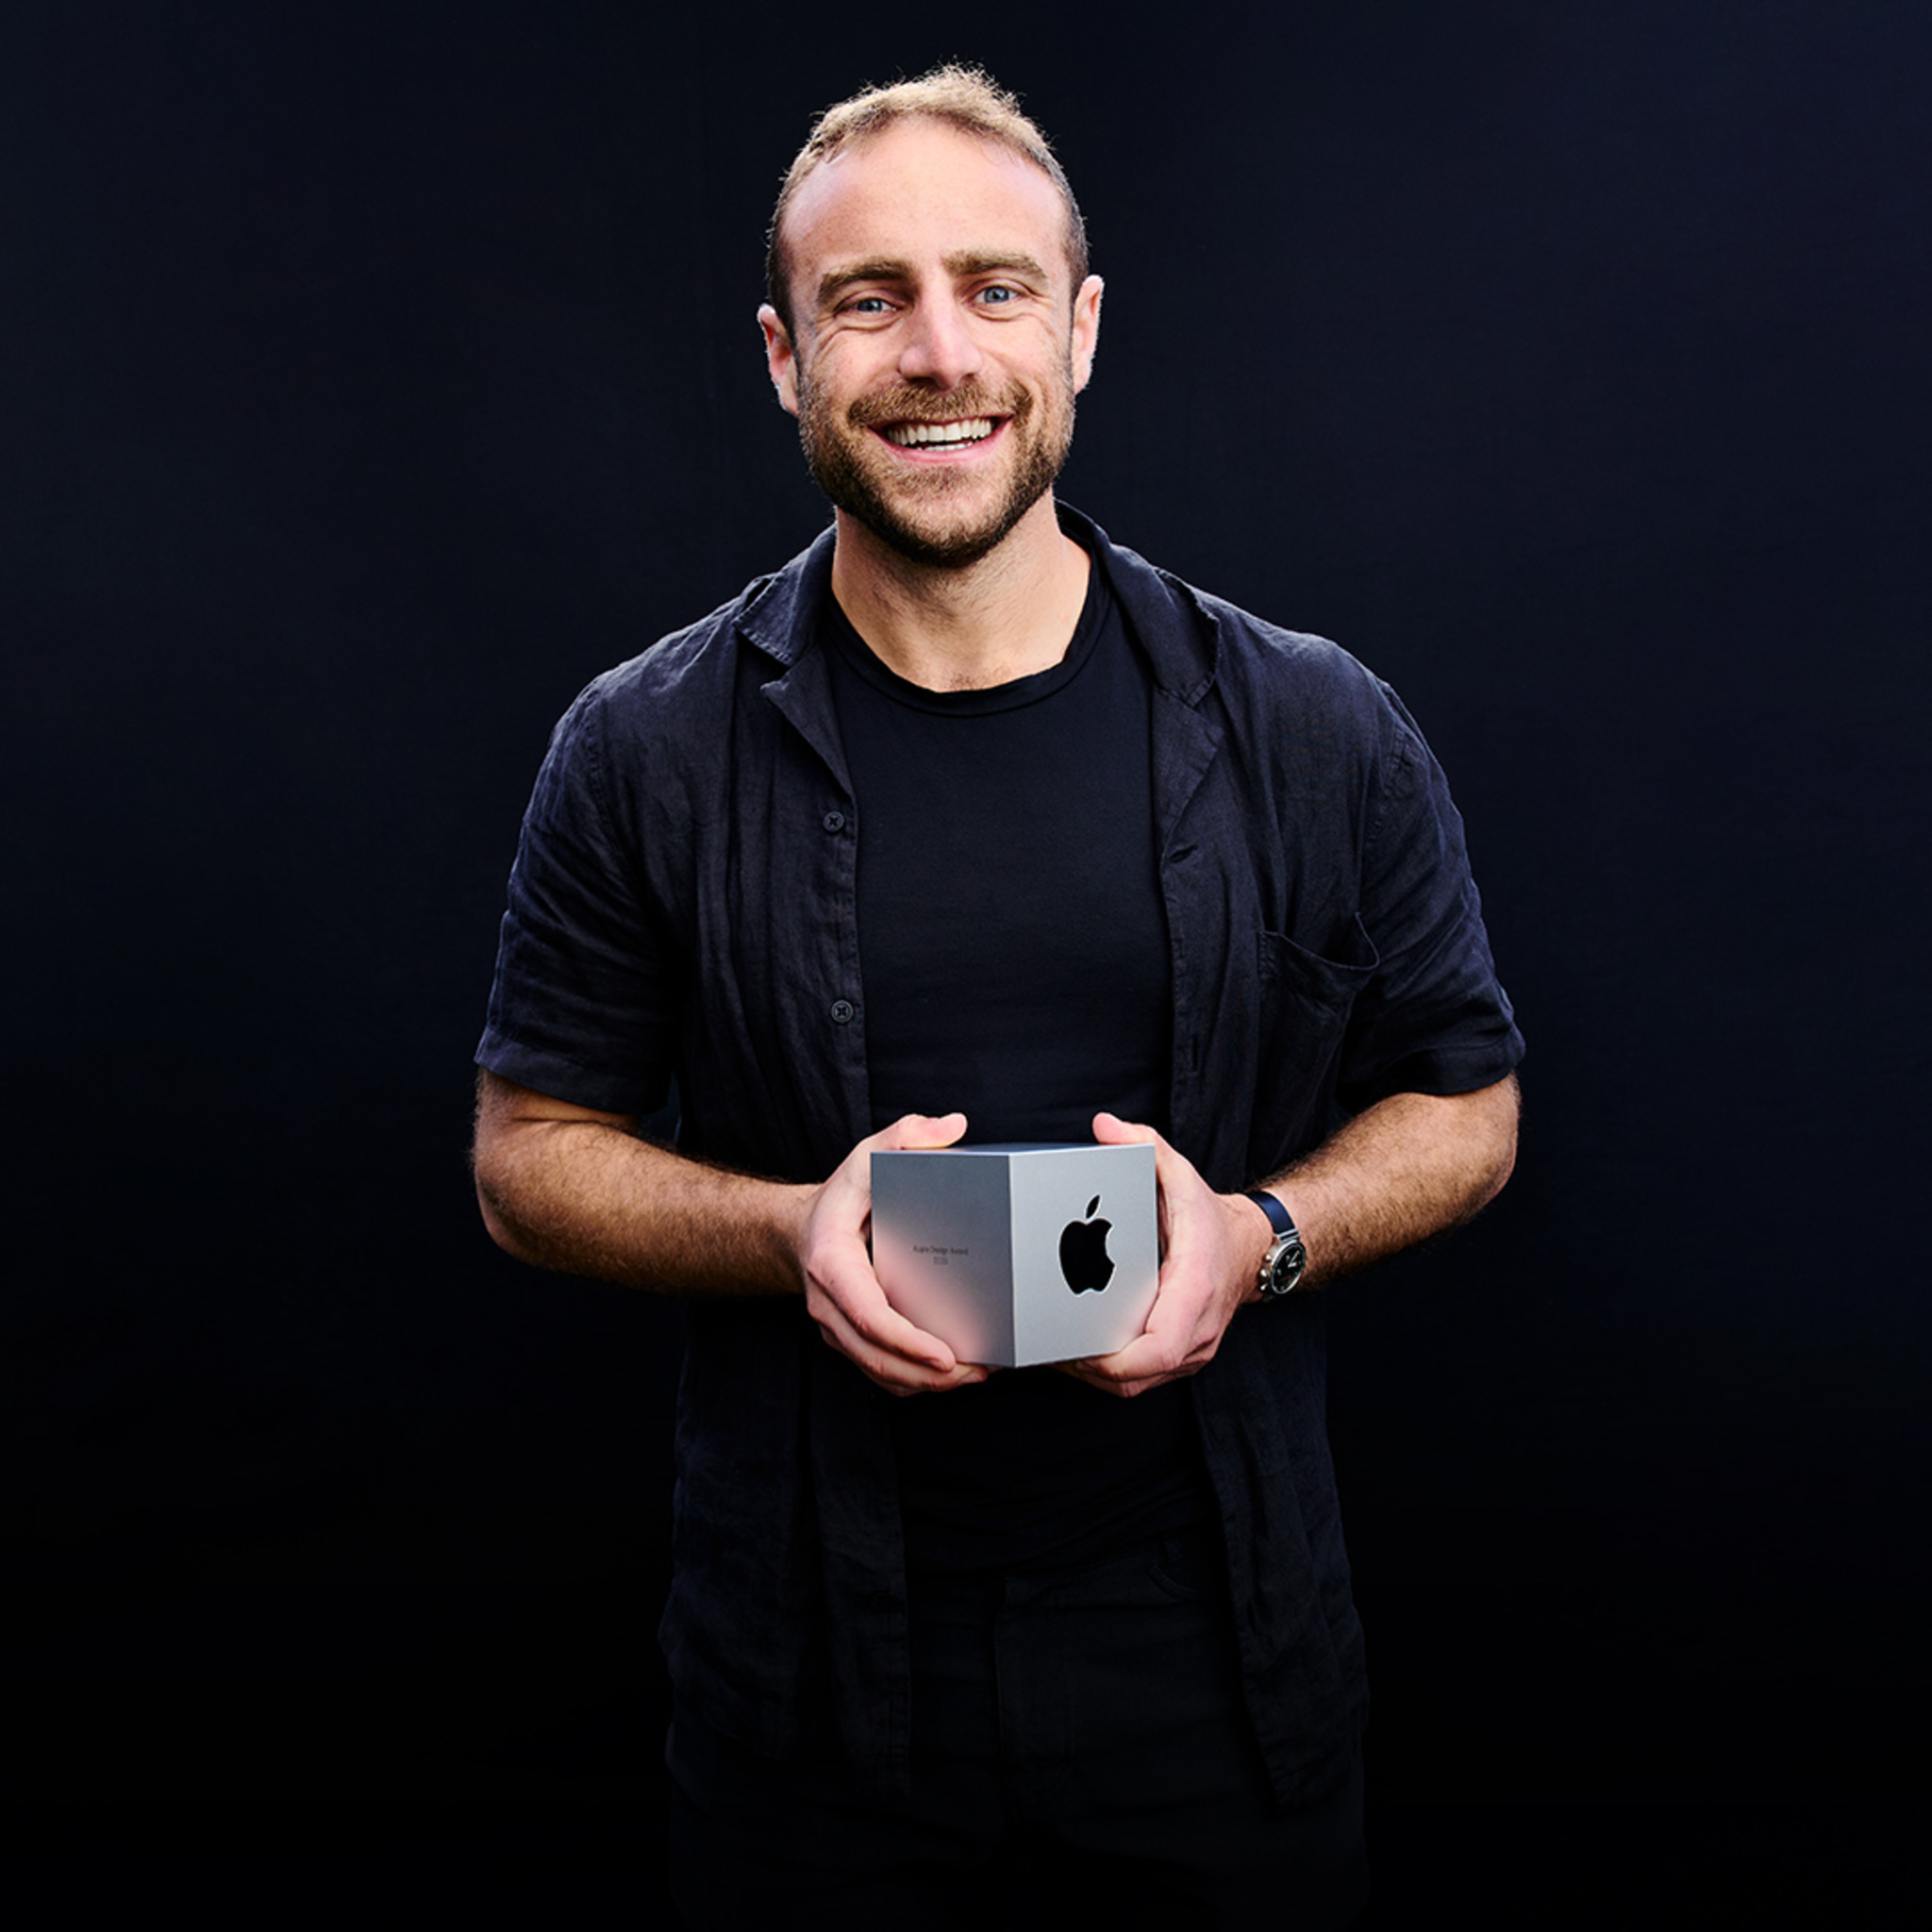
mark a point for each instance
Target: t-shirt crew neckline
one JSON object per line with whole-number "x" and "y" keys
{"x": 1012, "y": 697}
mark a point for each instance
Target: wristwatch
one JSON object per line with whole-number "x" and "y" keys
{"x": 1283, "y": 1264}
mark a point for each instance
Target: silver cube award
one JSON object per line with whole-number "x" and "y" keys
{"x": 1019, "y": 1253}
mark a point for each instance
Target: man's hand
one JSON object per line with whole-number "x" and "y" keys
{"x": 1401, "y": 1170}
{"x": 1212, "y": 1247}
{"x": 842, "y": 1294}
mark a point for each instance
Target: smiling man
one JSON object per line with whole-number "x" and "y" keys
{"x": 973, "y": 395}
{"x": 968, "y": 823}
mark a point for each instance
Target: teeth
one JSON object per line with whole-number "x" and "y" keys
{"x": 912, "y": 435}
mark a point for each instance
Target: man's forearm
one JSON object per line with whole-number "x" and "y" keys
{"x": 569, "y": 1187}
{"x": 574, "y": 1191}
{"x": 1401, "y": 1170}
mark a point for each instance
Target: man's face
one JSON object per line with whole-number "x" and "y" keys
{"x": 939, "y": 340}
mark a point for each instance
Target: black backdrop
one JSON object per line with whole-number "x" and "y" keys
{"x": 373, "y": 377}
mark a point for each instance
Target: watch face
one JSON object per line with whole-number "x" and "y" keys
{"x": 1285, "y": 1264}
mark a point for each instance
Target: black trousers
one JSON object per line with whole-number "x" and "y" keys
{"x": 1079, "y": 1744}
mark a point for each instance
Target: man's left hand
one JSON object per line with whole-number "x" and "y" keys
{"x": 1211, "y": 1249}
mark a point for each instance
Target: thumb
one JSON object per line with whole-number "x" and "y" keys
{"x": 923, "y": 1130}
{"x": 1112, "y": 1132}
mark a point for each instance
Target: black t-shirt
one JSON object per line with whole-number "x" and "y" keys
{"x": 1016, "y": 967}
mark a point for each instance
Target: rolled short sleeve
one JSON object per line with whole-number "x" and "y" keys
{"x": 588, "y": 990}
{"x": 1431, "y": 1017}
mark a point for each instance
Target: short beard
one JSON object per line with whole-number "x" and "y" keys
{"x": 838, "y": 468}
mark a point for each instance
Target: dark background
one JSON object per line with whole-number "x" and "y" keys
{"x": 373, "y": 377}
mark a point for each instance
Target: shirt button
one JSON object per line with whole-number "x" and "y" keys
{"x": 834, "y": 821}
{"x": 843, "y": 1010}
{"x": 882, "y": 1602}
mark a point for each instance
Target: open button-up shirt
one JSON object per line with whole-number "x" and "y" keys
{"x": 683, "y": 906}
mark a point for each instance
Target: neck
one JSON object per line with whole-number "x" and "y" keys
{"x": 1007, "y": 616}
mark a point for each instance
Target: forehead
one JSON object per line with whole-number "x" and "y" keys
{"x": 919, "y": 191}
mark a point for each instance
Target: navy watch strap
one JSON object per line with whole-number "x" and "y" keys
{"x": 1279, "y": 1218}
{"x": 1287, "y": 1260}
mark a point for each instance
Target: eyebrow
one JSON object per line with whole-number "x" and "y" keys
{"x": 965, "y": 263}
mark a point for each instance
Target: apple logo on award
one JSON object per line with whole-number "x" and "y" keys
{"x": 1084, "y": 1259}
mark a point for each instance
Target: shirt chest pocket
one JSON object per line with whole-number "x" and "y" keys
{"x": 1305, "y": 1000}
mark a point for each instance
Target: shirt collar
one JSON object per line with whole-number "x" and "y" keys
{"x": 1179, "y": 633}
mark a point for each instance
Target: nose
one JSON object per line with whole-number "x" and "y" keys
{"x": 938, "y": 346}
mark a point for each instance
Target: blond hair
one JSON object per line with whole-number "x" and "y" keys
{"x": 967, "y": 98}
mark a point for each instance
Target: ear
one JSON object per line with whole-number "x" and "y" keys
{"x": 1086, "y": 328}
{"x": 781, "y": 359}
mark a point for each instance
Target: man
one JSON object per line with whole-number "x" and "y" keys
{"x": 967, "y": 823}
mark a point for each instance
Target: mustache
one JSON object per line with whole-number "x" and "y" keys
{"x": 922, "y": 406}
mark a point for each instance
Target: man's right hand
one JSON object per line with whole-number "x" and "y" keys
{"x": 842, "y": 1294}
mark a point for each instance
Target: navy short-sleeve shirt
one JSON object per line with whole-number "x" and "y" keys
{"x": 683, "y": 904}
